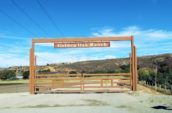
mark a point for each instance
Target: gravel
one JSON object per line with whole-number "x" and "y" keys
{"x": 133, "y": 102}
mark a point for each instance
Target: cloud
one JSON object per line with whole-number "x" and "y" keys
{"x": 12, "y": 37}
{"x": 7, "y": 59}
{"x": 143, "y": 37}
{"x": 52, "y": 57}
{"x": 147, "y": 34}
{"x": 45, "y": 44}
{"x": 148, "y": 41}
{"x": 158, "y": 34}
{"x": 132, "y": 30}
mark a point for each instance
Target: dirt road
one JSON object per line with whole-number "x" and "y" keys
{"x": 133, "y": 102}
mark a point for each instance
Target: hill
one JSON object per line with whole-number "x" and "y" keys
{"x": 113, "y": 65}
{"x": 153, "y": 70}
{"x": 106, "y": 65}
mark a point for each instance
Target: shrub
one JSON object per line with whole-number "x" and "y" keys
{"x": 7, "y": 74}
{"x": 44, "y": 71}
{"x": 148, "y": 75}
{"x": 72, "y": 72}
{"x": 25, "y": 74}
{"x": 125, "y": 68}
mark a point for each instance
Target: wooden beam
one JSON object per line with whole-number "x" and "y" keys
{"x": 53, "y": 84}
{"x": 135, "y": 68}
{"x": 131, "y": 84}
{"x": 31, "y": 77}
{"x": 79, "y": 39}
{"x": 100, "y": 74}
{"x": 30, "y": 72}
{"x": 90, "y": 78}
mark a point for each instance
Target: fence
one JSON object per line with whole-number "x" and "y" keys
{"x": 157, "y": 88}
{"x": 14, "y": 88}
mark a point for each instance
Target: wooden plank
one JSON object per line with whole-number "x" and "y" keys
{"x": 58, "y": 78}
{"x": 77, "y": 75}
{"x": 107, "y": 87}
{"x": 108, "y": 91}
{"x": 67, "y": 91}
{"x": 109, "y": 74}
{"x": 79, "y": 39}
{"x": 88, "y": 91}
{"x": 87, "y": 79}
{"x": 67, "y": 87}
{"x": 106, "y": 78}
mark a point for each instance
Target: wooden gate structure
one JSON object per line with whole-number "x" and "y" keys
{"x": 83, "y": 82}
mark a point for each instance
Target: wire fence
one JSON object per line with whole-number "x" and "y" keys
{"x": 157, "y": 88}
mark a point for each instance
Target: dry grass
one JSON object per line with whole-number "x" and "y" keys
{"x": 8, "y": 82}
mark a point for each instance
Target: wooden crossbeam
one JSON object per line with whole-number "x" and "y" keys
{"x": 81, "y": 39}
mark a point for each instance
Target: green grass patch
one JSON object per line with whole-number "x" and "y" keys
{"x": 11, "y": 82}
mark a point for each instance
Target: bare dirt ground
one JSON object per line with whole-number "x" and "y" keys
{"x": 141, "y": 101}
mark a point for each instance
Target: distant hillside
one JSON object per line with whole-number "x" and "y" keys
{"x": 107, "y": 65}
{"x": 154, "y": 70}
{"x": 113, "y": 65}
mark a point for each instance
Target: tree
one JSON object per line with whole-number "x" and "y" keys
{"x": 143, "y": 74}
{"x": 72, "y": 72}
{"x": 25, "y": 75}
{"x": 7, "y": 74}
{"x": 125, "y": 68}
{"x": 148, "y": 75}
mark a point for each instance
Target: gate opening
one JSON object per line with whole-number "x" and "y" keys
{"x": 83, "y": 82}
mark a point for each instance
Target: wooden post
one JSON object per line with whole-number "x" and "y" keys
{"x": 101, "y": 82}
{"x": 133, "y": 69}
{"x": 135, "y": 66}
{"x": 83, "y": 82}
{"x": 32, "y": 70}
{"x": 31, "y": 77}
{"x": 30, "y": 73}
{"x": 53, "y": 84}
{"x": 62, "y": 82}
{"x": 131, "y": 77}
{"x": 112, "y": 82}
{"x": 35, "y": 63}
{"x": 132, "y": 60}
